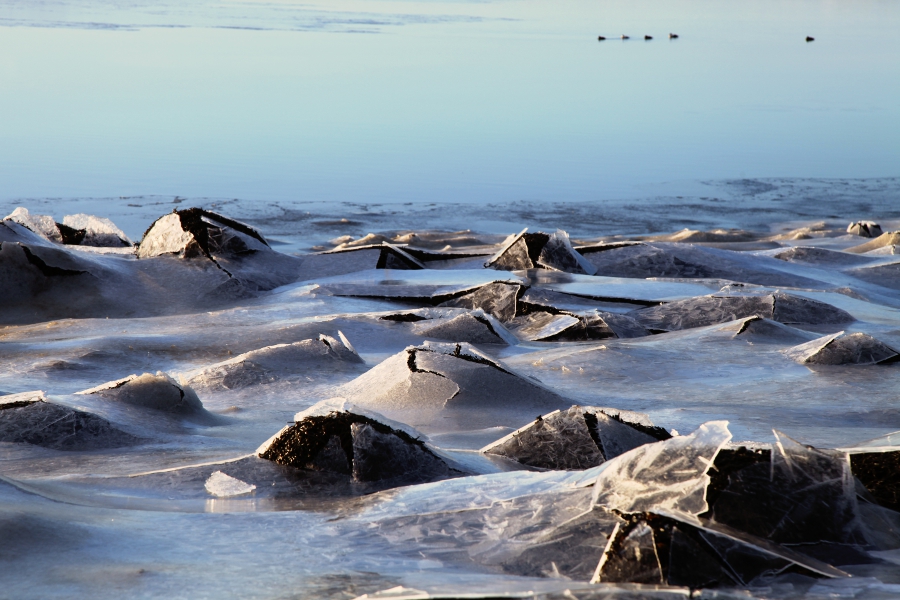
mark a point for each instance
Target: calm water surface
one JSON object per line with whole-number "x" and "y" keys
{"x": 435, "y": 101}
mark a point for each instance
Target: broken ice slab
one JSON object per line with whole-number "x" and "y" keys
{"x": 539, "y": 298}
{"x": 889, "y": 238}
{"x": 668, "y": 476}
{"x": 843, "y": 349}
{"x": 356, "y": 443}
{"x": 427, "y": 286}
{"x": 442, "y": 387}
{"x": 578, "y": 438}
{"x": 581, "y": 326}
{"x": 716, "y": 308}
{"x": 757, "y": 330}
{"x": 235, "y": 248}
{"x": 42, "y": 225}
{"x": 158, "y": 392}
{"x": 801, "y": 495}
{"x": 879, "y": 473}
{"x": 867, "y": 229}
{"x": 656, "y": 259}
{"x": 272, "y": 363}
{"x": 532, "y": 250}
{"x": 646, "y": 292}
{"x": 29, "y": 418}
{"x": 497, "y": 298}
{"x": 473, "y": 327}
{"x": 352, "y": 260}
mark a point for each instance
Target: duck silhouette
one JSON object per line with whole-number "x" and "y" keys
{"x": 810, "y": 39}
{"x": 673, "y": 36}
{"x": 600, "y": 38}
{"x": 625, "y": 37}
{"x": 648, "y": 37}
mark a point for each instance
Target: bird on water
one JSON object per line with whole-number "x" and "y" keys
{"x": 648, "y": 37}
{"x": 600, "y": 38}
{"x": 625, "y": 37}
{"x": 810, "y": 39}
{"x": 673, "y": 36}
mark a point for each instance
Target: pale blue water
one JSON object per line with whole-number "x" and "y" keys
{"x": 432, "y": 101}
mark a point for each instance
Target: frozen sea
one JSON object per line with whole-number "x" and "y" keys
{"x": 705, "y": 181}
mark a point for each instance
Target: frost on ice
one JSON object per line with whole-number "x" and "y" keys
{"x": 225, "y": 486}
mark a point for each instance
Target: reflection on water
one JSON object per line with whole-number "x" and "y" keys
{"x": 422, "y": 101}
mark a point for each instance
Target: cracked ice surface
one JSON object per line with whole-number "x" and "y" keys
{"x": 447, "y": 429}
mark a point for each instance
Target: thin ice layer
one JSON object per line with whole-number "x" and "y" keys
{"x": 843, "y": 349}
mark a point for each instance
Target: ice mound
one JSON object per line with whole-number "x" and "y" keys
{"x": 868, "y": 229}
{"x": 195, "y": 232}
{"x": 498, "y": 299}
{"x": 889, "y": 238}
{"x": 885, "y": 275}
{"x": 272, "y": 363}
{"x": 657, "y": 259}
{"x": 240, "y": 253}
{"x": 362, "y": 446}
{"x": 29, "y": 418}
{"x": 843, "y": 349}
{"x": 156, "y": 392}
{"x": 225, "y": 486}
{"x": 441, "y": 386}
{"x": 534, "y": 250}
{"x": 473, "y": 327}
{"x": 96, "y": 231}
{"x": 715, "y": 308}
{"x": 821, "y": 256}
{"x": 578, "y": 438}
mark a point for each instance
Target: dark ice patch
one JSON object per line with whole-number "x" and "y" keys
{"x": 879, "y": 473}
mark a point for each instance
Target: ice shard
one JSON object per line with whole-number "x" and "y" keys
{"x": 668, "y": 476}
{"x": 448, "y": 387}
{"x": 580, "y": 437}
{"x": 357, "y": 445}
{"x": 843, "y": 349}
{"x": 272, "y": 363}
{"x": 29, "y": 418}
{"x": 759, "y": 330}
{"x": 581, "y": 326}
{"x": 225, "y": 486}
{"x": 710, "y": 310}
{"x": 473, "y": 327}
{"x": 498, "y": 299}
{"x": 158, "y": 392}
{"x": 540, "y": 250}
